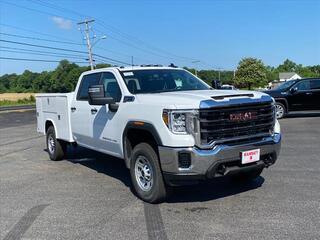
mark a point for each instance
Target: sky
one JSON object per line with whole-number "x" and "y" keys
{"x": 205, "y": 34}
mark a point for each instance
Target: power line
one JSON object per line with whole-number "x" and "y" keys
{"x": 40, "y": 39}
{"x": 41, "y": 46}
{"x": 36, "y": 10}
{"x": 67, "y": 41}
{"x": 120, "y": 33}
{"x": 36, "y": 32}
{"x": 42, "y": 54}
{"x": 119, "y": 40}
{"x": 110, "y": 59}
{"x": 60, "y": 49}
{"x": 153, "y": 48}
{"x": 103, "y": 25}
{"x": 37, "y": 51}
{"x": 32, "y": 60}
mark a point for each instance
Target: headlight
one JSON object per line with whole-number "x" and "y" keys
{"x": 180, "y": 121}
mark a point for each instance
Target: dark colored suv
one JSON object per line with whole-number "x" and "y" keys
{"x": 296, "y": 95}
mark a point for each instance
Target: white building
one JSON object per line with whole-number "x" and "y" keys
{"x": 287, "y": 76}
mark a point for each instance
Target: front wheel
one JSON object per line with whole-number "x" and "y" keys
{"x": 146, "y": 174}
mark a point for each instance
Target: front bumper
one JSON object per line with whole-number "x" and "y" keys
{"x": 220, "y": 161}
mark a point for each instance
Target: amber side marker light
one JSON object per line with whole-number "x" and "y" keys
{"x": 165, "y": 118}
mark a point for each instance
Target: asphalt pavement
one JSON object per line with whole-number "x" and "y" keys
{"x": 88, "y": 195}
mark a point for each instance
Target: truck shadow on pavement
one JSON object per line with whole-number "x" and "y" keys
{"x": 102, "y": 163}
{"x": 204, "y": 191}
{"x": 303, "y": 114}
{"x": 212, "y": 190}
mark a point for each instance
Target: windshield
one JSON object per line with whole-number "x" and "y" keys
{"x": 286, "y": 85}
{"x": 161, "y": 80}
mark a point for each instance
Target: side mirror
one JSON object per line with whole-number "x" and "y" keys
{"x": 96, "y": 96}
{"x": 293, "y": 90}
{"x": 216, "y": 84}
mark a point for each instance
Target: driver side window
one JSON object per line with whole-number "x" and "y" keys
{"x": 111, "y": 86}
{"x": 303, "y": 86}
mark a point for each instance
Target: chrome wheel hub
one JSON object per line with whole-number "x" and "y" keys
{"x": 144, "y": 173}
{"x": 51, "y": 144}
{"x": 279, "y": 111}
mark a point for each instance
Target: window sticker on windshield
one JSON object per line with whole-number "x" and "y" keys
{"x": 127, "y": 74}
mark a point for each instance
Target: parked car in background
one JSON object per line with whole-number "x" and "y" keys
{"x": 216, "y": 84}
{"x": 228, "y": 87}
{"x": 296, "y": 95}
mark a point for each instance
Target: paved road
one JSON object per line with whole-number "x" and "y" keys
{"x": 88, "y": 195}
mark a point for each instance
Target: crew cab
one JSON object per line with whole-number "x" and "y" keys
{"x": 169, "y": 126}
{"x": 296, "y": 95}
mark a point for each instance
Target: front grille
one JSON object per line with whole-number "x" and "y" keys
{"x": 216, "y": 124}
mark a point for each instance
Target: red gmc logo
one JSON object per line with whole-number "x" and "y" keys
{"x": 244, "y": 116}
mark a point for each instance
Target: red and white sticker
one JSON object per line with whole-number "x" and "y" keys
{"x": 250, "y": 156}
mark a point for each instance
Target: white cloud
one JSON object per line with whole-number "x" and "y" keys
{"x": 62, "y": 23}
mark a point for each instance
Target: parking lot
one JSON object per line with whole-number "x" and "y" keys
{"x": 88, "y": 195}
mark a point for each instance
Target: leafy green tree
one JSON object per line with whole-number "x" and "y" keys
{"x": 288, "y": 66}
{"x": 41, "y": 83}
{"x": 251, "y": 72}
{"x": 24, "y": 82}
{"x": 6, "y": 82}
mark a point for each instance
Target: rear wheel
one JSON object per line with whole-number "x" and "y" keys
{"x": 146, "y": 174}
{"x": 56, "y": 148}
{"x": 247, "y": 176}
{"x": 280, "y": 110}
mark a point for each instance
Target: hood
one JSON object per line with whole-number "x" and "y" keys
{"x": 276, "y": 93}
{"x": 193, "y": 99}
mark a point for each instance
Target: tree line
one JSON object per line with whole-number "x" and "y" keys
{"x": 63, "y": 79}
{"x": 250, "y": 73}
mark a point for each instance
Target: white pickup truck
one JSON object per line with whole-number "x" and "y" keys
{"x": 170, "y": 127}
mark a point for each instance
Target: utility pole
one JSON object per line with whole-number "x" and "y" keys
{"x": 87, "y": 38}
{"x": 195, "y": 62}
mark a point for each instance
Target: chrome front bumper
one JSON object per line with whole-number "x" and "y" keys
{"x": 205, "y": 162}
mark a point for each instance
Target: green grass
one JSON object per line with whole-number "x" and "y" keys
{"x": 24, "y": 101}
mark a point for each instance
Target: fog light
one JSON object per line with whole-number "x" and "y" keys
{"x": 184, "y": 159}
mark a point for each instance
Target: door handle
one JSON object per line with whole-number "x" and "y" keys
{"x": 94, "y": 111}
{"x": 73, "y": 109}
{"x": 309, "y": 93}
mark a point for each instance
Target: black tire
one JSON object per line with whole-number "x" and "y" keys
{"x": 247, "y": 176}
{"x": 281, "y": 110}
{"x": 157, "y": 191}
{"x": 57, "y": 148}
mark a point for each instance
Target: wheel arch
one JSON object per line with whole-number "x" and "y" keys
{"x": 48, "y": 123}
{"x": 136, "y": 132}
{"x": 284, "y": 102}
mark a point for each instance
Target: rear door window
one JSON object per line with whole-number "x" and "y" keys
{"x": 315, "y": 84}
{"x": 87, "y": 81}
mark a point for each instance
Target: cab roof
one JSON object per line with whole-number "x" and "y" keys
{"x": 132, "y": 68}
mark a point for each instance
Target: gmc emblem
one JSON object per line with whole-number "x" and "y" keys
{"x": 244, "y": 116}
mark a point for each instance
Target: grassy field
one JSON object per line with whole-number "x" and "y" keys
{"x": 12, "y": 99}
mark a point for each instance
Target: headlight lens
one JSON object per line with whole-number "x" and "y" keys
{"x": 180, "y": 122}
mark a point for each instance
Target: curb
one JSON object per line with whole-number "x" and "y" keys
{"x": 21, "y": 107}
